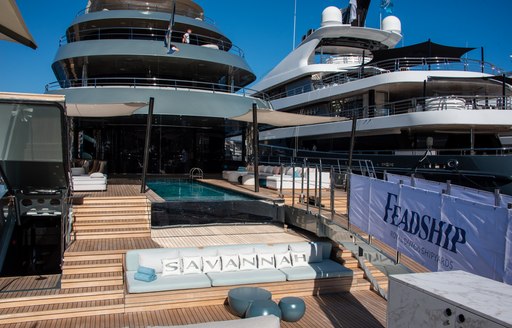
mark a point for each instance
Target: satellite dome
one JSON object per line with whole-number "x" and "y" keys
{"x": 331, "y": 16}
{"x": 392, "y": 24}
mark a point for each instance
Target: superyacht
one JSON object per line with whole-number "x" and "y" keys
{"x": 124, "y": 52}
{"x": 424, "y": 109}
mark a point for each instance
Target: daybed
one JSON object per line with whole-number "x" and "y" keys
{"x": 89, "y": 176}
{"x": 242, "y": 172}
{"x": 270, "y": 177}
{"x": 301, "y": 179}
{"x": 190, "y": 268}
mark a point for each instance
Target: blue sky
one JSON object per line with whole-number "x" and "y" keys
{"x": 264, "y": 30}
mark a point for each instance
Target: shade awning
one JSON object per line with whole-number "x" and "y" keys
{"x": 494, "y": 78}
{"x": 103, "y": 110}
{"x": 12, "y": 25}
{"x": 428, "y": 50}
{"x": 283, "y": 119}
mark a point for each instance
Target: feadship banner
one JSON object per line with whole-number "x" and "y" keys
{"x": 480, "y": 240}
{"x": 419, "y": 231}
{"x": 508, "y": 251}
{"x": 382, "y": 194}
{"x": 441, "y": 232}
{"x": 359, "y": 199}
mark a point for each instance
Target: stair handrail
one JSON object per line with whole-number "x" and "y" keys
{"x": 196, "y": 173}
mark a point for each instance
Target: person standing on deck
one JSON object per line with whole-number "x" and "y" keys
{"x": 186, "y": 36}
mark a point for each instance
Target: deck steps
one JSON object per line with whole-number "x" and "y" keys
{"x": 61, "y": 311}
{"x": 83, "y": 219}
{"x": 112, "y": 233}
{"x": 110, "y": 224}
{"x": 64, "y": 303}
{"x": 85, "y": 280}
{"x": 103, "y": 201}
{"x": 348, "y": 259}
{"x": 112, "y": 218}
{"x": 92, "y": 266}
{"x": 89, "y": 269}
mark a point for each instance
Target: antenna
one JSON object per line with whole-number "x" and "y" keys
{"x": 294, "y": 24}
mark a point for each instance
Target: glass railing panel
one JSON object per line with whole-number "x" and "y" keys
{"x": 30, "y": 133}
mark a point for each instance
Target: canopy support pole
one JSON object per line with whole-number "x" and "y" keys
{"x": 147, "y": 145}
{"x": 255, "y": 143}
{"x": 352, "y": 141}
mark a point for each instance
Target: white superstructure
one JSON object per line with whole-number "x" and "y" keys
{"x": 407, "y": 100}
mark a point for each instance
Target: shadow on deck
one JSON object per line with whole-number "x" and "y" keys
{"x": 95, "y": 293}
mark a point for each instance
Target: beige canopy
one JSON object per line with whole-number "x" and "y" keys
{"x": 103, "y": 110}
{"x": 12, "y": 26}
{"x": 282, "y": 119}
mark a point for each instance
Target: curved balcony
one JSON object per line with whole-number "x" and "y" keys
{"x": 152, "y": 34}
{"x": 194, "y": 12}
{"x": 358, "y": 72}
{"x": 137, "y": 82}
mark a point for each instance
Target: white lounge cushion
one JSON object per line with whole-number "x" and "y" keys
{"x": 230, "y": 263}
{"x": 299, "y": 259}
{"x": 97, "y": 175}
{"x": 248, "y": 262}
{"x": 283, "y": 260}
{"x": 212, "y": 264}
{"x": 266, "y": 261}
{"x": 171, "y": 267}
{"x": 153, "y": 258}
{"x": 313, "y": 251}
{"x": 192, "y": 264}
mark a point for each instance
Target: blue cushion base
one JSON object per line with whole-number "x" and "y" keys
{"x": 167, "y": 283}
{"x": 324, "y": 269}
{"x": 246, "y": 277}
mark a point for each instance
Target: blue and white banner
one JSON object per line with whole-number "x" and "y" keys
{"x": 383, "y": 195}
{"x": 420, "y": 231}
{"x": 439, "y": 231}
{"x": 479, "y": 237}
{"x": 508, "y": 251}
{"x": 358, "y": 202}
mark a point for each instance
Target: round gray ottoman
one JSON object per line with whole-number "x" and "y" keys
{"x": 240, "y": 298}
{"x": 263, "y": 308}
{"x": 292, "y": 308}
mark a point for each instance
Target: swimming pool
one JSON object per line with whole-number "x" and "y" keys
{"x": 190, "y": 202}
{"x": 181, "y": 190}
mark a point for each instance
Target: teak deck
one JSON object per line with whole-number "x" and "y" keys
{"x": 93, "y": 295}
{"x": 360, "y": 309}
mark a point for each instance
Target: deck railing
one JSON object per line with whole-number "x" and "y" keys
{"x": 149, "y": 34}
{"x": 358, "y": 72}
{"x": 138, "y": 82}
{"x": 426, "y": 104}
{"x": 164, "y": 8}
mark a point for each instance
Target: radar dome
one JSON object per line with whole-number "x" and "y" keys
{"x": 392, "y": 24}
{"x": 331, "y": 16}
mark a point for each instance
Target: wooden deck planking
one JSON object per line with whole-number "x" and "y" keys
{"x": 124, "y": 188}
{"x": 357, "y": 309}
{"x": 211, "y": 235}
{"x": 12, "y": 285}
{"x": 223, "y": 235}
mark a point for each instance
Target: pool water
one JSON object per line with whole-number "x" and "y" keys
{"x": 191, "y": 190}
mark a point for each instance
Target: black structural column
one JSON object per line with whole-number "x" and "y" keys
{"x": 255, "y": 143}
{"x": 147, "y": 144}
